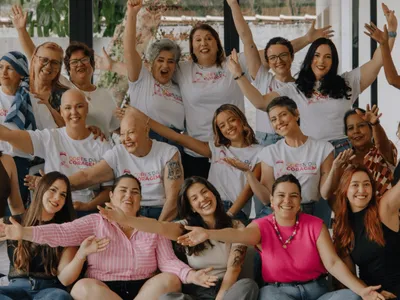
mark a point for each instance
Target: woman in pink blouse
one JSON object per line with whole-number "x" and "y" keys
{"x": 125, "y": 269}
{"x": 295, "y": 248}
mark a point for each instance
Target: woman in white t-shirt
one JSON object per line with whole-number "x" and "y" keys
{"x": 155, "y": 93}
{"x": 233, "y": 139}
{"x": 310, "y": 160}
{"x": 199, "y": 204}
{"x": 322, "y": 96}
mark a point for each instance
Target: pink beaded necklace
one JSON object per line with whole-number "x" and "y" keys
{"x": 296, "y": 227}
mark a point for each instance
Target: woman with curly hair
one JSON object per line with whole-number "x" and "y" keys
{"x": 367, "y": 230}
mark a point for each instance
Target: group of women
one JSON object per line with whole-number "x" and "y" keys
{"x": 318, "y": 150}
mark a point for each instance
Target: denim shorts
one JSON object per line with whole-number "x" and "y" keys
{"x": 152, "y": 212}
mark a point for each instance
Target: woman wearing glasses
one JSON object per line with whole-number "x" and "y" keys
{"x": 79, "y": 63}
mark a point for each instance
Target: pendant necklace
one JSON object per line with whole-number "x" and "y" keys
{"x": 285, "y": 243}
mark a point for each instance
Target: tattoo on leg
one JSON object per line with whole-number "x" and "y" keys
{"x": 239, "y": 252}
{"x": 174, "y": 170}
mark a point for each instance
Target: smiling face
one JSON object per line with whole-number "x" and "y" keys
{"x": 282, "y": 120}
{"x": 163, "y": 67}
{"x": 8, "y": 76}
{"x": 47, "y": 64}
{"x": 279, "y": 59}
{"x": 230, "y": 126}
{"x": 54, "y": 198}
{"x": 286, "y": 200}
{"x": 358, "y": 131}
{"x": 359, "y": 192}
{"x": 80, "y": 68}
{"x": 134, "y": 134}
{"x": 322, "y": 61}
{"x": 202, "y": 200}
{"x": 205, "y": 46}
{"x": 74, "y": 108}
{"x": 126, "y": 196}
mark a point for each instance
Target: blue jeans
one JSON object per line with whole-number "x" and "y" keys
{"x": 153, "y": 212}
{"x": 37, "y": 289}
{"x": 241, "y": 216}
{"x": 314, "y": 290}
{"x": 267, "y": 139}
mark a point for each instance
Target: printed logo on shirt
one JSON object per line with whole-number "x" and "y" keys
{"x": 67, "y": 161}
{"x": 148, "y": 178}
{"x": 126, "y": 171}
{"x": 295, "y": 168}
{"x": 163, "y": 91}
{"x": 222, "y": 155}
{"x": 3, "y": 112}
{"x": 212, "y": 77}
{"x": 317, "y": 97}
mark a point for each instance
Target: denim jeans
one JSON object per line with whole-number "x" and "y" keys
{"x": 314, "y": 290}
{"x": 267, "y": 139}
{"x": 37, "y": 289}
{"x": 241, "y": 216}
{"x": 153, "y": 212}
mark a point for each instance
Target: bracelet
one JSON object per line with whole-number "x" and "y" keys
{"x": 236, "y": 78}
{"x": 392, "y": 34}
{"x": 376, "y": 123}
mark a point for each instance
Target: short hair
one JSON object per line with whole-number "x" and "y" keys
{"x": 154, "y": 49}
{"x": 284, "y": 101}
{"x": 279, "y": 41}
{"x": 78, "y": 46}
{"x": 286, "y": 178}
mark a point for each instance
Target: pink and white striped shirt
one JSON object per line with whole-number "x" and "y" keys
{"x": 124, "y": 259}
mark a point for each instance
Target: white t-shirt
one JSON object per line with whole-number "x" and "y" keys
{"x": 321, "y": 117}
{"x": 5, "y": 104}
{"x": 43, "y": 117}
{"x": 266, "y": 82}
{"x": 216, "y": 257}
{"x": 304, "y": 162}
{"x": 63, "y": 154}
{"x": 101, "y": 108}
{"x": 148, "y": 169}
{"x": 228, "y": 180}
{"x": 160, "y": 102}
{"x": 203, "y": 91}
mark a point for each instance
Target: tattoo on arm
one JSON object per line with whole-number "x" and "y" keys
{"x": 174, "y": 170}
{"x": 239, "y": 254}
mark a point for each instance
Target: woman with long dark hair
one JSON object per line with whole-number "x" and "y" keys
{"x": 200, "y": 205}
{"x": 322, "y": 95}
{"x": 39, "y": 271}
{"x": 367, "y": 230}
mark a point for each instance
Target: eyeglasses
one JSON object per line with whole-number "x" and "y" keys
{"x": 75, "y": 62}
{"x": 44, "y": 61}
{"x": 283, "y": 56}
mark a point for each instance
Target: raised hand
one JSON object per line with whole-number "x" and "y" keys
{"x": 13, "y": 231}
{"x": 18, "y": 17}
{"x": 370, "y": 293}
{"x": 238, "y": 164}
{"x": 391, "y": 18}
{"x": 201, "y": 278}
{"x": 376, "y": 34}
{"x": 231, "y": 2}
{"x": 104, "y": 62}
{"x": 92, "y": 245}
{"x": 96, "y": 132}
{"x": 343, "y": 159}
{"x": 371, "y": 115}
{"x": 313, "y": 33}
{"x": 233, "y": 64}
{"x": 119, "y": 113}
{"x": 197, "y": 235}
{"x": 134, "y": 6}
{"x": 32, "y": 181}
{"x": 112, "y": 213}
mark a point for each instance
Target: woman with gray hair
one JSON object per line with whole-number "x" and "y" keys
{"x": 154, "y": 92}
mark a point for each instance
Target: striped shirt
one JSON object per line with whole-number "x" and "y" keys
{"x": 134, "y": 258}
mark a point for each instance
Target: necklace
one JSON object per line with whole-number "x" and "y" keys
{"x": 296, "y": 227}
